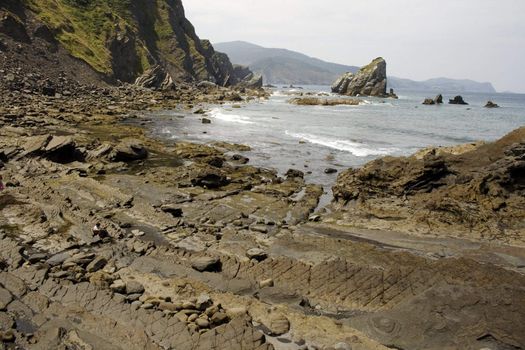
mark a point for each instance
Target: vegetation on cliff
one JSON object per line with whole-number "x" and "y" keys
{"x": 124, "y": 38}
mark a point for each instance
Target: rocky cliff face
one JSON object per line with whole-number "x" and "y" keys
{"x": 121, "y": 40}
{"x": 369, "y": 81}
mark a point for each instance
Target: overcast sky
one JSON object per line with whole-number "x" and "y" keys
{"x": 482, "y": 40}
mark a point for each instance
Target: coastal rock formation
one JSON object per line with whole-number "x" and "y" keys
{"x": 480, "y": 192}
{"x": 369, "y": 81}
{"x": 436, "y": 101}
{"x": 155, "y": 77}
{"x": 317, "y": 101}
{"x": 491, "y": 104}
{"x": 458, "y": 100}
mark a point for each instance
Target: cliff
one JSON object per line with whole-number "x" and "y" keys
{"x": 120, "y": 40}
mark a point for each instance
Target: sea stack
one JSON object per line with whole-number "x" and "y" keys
{"x": 369, "y": 81}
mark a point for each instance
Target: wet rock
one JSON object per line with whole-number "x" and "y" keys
{"x": 134, "y": 287}
{"x": 458, "y": 100}
{"x": 293, "y": 173}
{"x": 205, "y": 263}
{"x": 206, "y": 121}
{"x": 429, "y": 102}
{"x": 216, "y": 162}
{"x": 491, "y": 104}
{"x": 330, "y": 171}
{"x": 240, "y": 159}
{"x": 129, "y": 150}
{"x": 257, "y": 254}
{"x": 209, "y": 179}
{"x": 438, "y": 99}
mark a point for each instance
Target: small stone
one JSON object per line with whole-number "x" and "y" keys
{"x": 206, "y": 121}
{"x": 118, "y": 286}
{"x": 134, "y": 287}
{"x": 257, "y": 254}
{"x": 330, "y": 171}
{"x": 97, "y": 264}
{"x": 259, "y": 228}
{"x": 206, "y": 264}
{"x": 266, "y": 283}
{"x": 202, "y": 323}
{"x": 192, "y": 317}
{"x": 146, "y": 306}
{"x": 219, "y": 318}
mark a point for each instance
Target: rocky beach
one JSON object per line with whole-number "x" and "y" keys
{"x": 205, "y": 250}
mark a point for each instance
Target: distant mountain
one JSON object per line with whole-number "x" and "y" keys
{"x": 440, "y": 84}
{"x": 282, "y": 66}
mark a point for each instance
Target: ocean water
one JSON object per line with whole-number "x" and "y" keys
{"x": 313, "y": 138}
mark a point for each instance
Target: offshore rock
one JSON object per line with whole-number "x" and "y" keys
{"x": 458, "y": 100}
{"x": 369, "y": 81}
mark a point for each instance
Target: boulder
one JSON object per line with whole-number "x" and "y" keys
{"x": 392, "y": 94}
{"x": 330, "y": 171}
{"x": 439, "y": 99}
{"x": 240, "y": 158}
{"x": 206, "y": 263}
{"x": 206, "y": 121}
{"x": 257, "y": 254}
{"x": 128, "y": 150}
{"x": 209, "y": 178}
{"x": 369, "y": 81}
{"x": 491, "y": 104}
{"x": 134, "y": 287}
{"x": 429, "y": 102}
{"x": 458, "y": 100}
{"x": 293, "y": 173}
{"x": 278, "y": 325}
{"x": 155, "y": 78}
{"x": 175, "y": 211}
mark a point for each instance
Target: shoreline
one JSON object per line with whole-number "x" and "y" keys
{"x": 190, "y": 223}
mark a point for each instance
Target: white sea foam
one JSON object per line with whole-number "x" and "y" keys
{"x": 231, "y": 118}
{"x": 357, "y": 149}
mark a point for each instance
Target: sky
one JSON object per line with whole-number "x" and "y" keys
{"x": 482, "y": 40}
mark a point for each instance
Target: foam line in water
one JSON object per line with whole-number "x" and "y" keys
{"x": 231, "y": 118}
{"x": 357, "y": 149}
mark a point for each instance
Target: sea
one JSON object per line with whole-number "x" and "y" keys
{"x": 314, "y": 138}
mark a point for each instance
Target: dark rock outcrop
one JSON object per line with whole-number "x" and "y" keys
{"x": 369, "y": 81}
{"x": 436, "y": 101}
{"x": 156, "y": 78}
{"x": 477, "y": 189}
{"x": 491, "y": 104}
{"x": 458, "y": 100}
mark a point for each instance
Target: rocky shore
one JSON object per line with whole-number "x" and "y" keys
{"x": 205, "y": 251}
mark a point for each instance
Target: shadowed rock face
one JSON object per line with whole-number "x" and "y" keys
{"x": 480, "y": 192}
{"x": 123, "y": 40}
{"x": 369, "y": 81}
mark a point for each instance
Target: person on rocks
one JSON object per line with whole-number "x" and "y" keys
{"x": 99, "y": 232}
